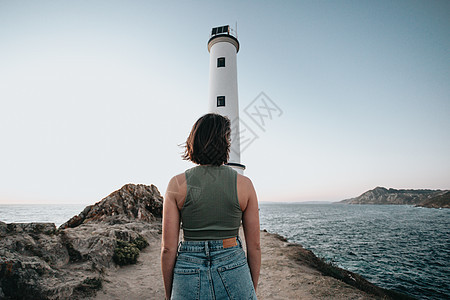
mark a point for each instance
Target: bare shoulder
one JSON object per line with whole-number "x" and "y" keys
{"x": 179, "y": 179}
{"x": 244, "y": 182}
{"x": 245, "y": 191}
{"x": 177, "y": 187}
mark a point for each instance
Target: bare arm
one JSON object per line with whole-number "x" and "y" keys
{"x": 250, "y": 222}
{"x": 170, "y": 234}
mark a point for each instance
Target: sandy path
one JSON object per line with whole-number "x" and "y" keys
{"x": 282, "y": 277}
{"x": 140, "y": 281}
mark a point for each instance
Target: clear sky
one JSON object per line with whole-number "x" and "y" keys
{"x": 97, "y": 94}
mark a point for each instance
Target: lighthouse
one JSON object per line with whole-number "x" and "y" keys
{"x": 223, "y": 47}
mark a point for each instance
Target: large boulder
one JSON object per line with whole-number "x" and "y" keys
{"x": 131, "y": 202}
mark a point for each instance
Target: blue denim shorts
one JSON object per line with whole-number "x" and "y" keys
{"x": 207, "y": 270}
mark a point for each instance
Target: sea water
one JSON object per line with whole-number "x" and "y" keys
{"x": 45, "y": 213}
{"x": 398, "y": 247}
{"x": 402, "y": 247}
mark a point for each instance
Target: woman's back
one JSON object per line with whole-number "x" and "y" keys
{"x": 211, "y": 210}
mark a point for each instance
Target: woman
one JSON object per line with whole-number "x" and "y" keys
{"x": 210, "y": 200}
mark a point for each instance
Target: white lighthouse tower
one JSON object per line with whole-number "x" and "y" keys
{"x": 223, "y": 47}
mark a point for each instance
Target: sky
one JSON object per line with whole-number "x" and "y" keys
{"x": 98, "y": 94}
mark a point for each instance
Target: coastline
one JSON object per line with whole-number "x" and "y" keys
{"x": 288, "y": 271}
{"x": 112, "y": 249}
{"x": 308, "y": 277}
{"x": 77, "y": 263}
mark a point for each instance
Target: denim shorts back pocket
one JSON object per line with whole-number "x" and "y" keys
{"x": 186, "y": 284}
{"x": 237, "y": 280}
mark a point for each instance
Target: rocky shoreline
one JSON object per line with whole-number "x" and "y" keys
{"x": 111, "y": 250}
{"x": 39, "y": 261}
{"x": 384, "y": 196}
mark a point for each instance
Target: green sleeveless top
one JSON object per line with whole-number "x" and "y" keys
{"x": 211, "y": 210}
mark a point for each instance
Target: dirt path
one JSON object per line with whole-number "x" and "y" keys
{"x": 282, "y": 277}
{"x": 140, "y": 281}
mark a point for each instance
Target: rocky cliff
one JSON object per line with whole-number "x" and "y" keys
{"x": 439, "y": 201}
{"x": 381, "y": 195}
{"x": 39, "y": 261}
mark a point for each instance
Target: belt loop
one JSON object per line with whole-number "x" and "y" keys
{"x": 206, "y": 249}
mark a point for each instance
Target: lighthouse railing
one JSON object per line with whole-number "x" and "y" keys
{"x": 223, "y": 30}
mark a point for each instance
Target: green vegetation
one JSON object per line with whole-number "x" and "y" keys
{"x": 140, "y": 242}
{"x": 127, "y": 252}
{"x": 87, "y": 288}
{"x": 93, "y": 283}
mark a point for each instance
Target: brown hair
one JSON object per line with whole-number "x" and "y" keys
{"x": 209, "y": 141}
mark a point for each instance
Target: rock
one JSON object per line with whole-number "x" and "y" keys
{"x": 30, "y": 255}
{"x": 96, "y": 243}
{"x": 37, "y": 261}
{"x": 131, "y": 202}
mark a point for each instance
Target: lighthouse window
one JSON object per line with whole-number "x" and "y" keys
{"x": 220, "y": 101}
{"x": 221, "y": 62}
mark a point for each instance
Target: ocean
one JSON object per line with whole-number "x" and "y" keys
{"x": 403, "y": 248}
{"x": 398, "y": 247}
{"x": 53, "y": 213}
